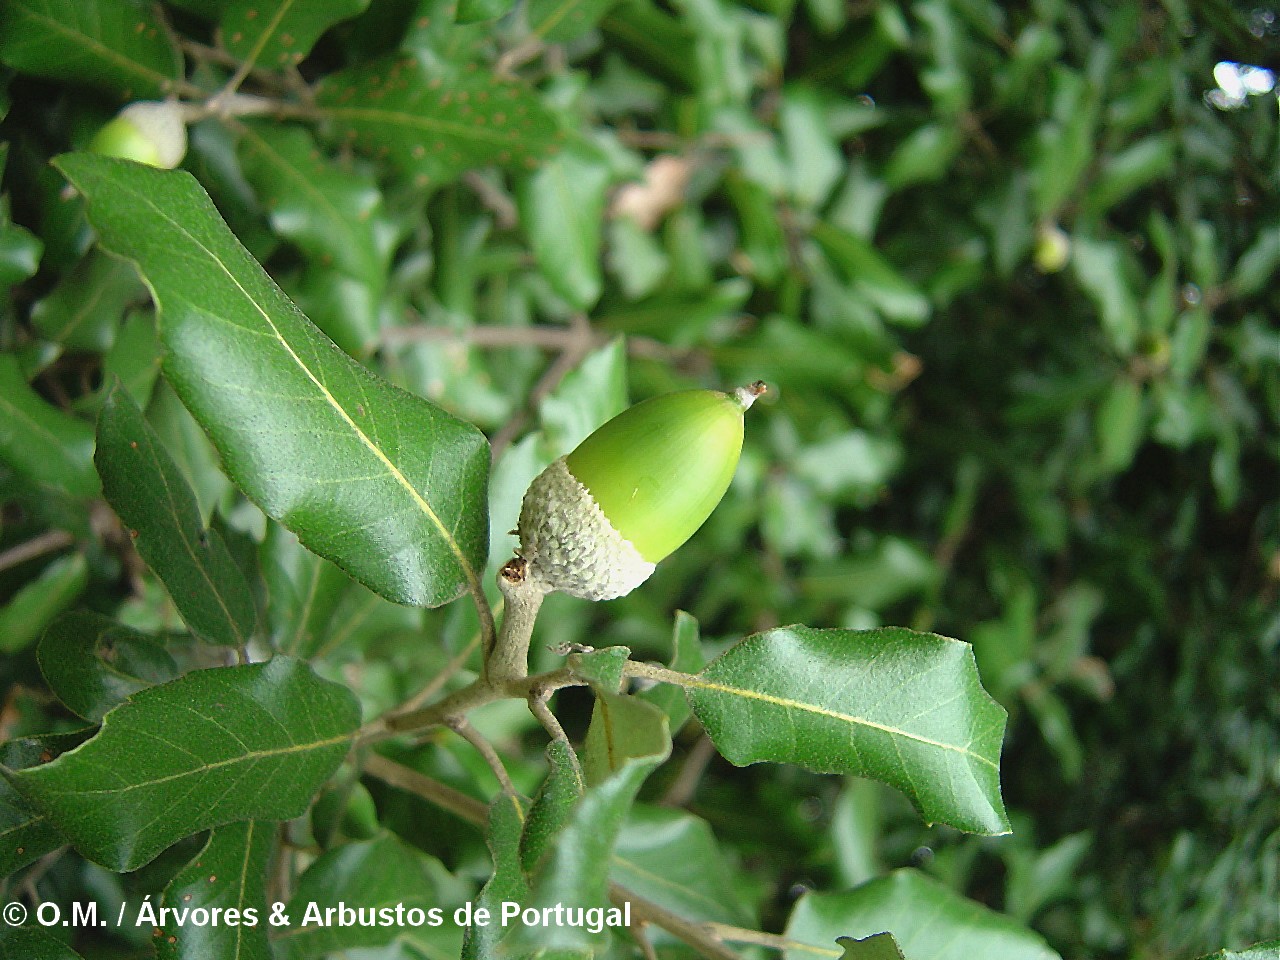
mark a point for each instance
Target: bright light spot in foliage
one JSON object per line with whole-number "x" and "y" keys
{"x": 1237, "y": 82}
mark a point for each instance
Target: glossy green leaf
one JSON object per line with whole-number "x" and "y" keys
{"x": 881, "y": 946}
{"x": 383, "y": 483}
{"x": 26, "y": 834}
{"x": 1257, "y": 264}
{"x": 635, "y": 258}
{"x": 39, "y": 601}
{"x": 303, "y": 592}
{"x": 555, "y": 801}
{"x": 120, "y": 45}
{"x": 575, "y": 870}
{"x": 1120, "y": 424}
{"x": 147, "y": 491}
{"x": 40, "y": 442}
{"x": 559, "y": 21}
{"x": 671, "y": 858}
{"x": 334, "y": 215}
{"x": 928, "y": 920}
{"x": 252, "y": 742}
{"x": 134, "y": 357}
{"x": 762, "y": 239}
{"x": 20, "y": 252}
{"x": 687, "y": 657}
{"x": 924, "y": 157}
{"x": 562, "y": 209}
{"x": 902, "y": 707}
{"x": 230, "y": 874}
{"x": 507, "y": 883}
{"x": 84, "y": 310}
{"x": 622, "y": 728}
{"x": 32, "y": 943}
{"x": 190, "y": 448}
{"x": 1064, "y": 142}
{"x": 814, "y": 160}
{"x": 1100, "y": 267}
{"x": 872, "y": 276}
{"x": 275, "y": 34}
{"x": 92, "y": 663}
{"x": 1133, "y": 168}
{"x": 435, "y": 129}
{"x": 592, "y": 394}
{"x": 378, "y": 874}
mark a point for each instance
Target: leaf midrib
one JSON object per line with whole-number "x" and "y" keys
{"x": 105, "y": 52}
{"x": 469, "y": 572}
{"x": 247, "y": 757}
{"x": 703, "y": 684}
{"x": 460, "y": 130}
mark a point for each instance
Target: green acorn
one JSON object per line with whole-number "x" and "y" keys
{"x": 149, "y": 131}
{"x": 1053, "y": 248}
{"x": 595, "y": 523}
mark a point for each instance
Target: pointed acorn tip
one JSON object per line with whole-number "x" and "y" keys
{"x": 749, "y": 394}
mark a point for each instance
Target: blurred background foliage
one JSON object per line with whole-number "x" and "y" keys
{"x": 1009, "y": 270}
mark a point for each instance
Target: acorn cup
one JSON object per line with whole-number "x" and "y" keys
{"x": 149, "y": 131}
{"x": 596, "y": 522}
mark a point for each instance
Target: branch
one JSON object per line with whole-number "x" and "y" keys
{"x": 463, "y": 728}
{"x": 48, "y": 542}
{"x": 411, "y": 781}
{"x": 508, "y": 658}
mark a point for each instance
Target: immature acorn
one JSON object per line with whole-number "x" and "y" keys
{"x": 149, "y": 131}
{"x": 595, "y": 523}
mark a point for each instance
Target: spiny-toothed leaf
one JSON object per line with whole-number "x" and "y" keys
{"x": 117, "y": 44}
{"x": 212, "y": 747}
{"x": 275, "y": 34}
{"x": 507, "y": 883}
{"x": 383, "y": 483}
{"x": 927, "y": 919}
{"x": 556, "y": 798}
{"x": 229, "y": 873}
{"x": 152, "y": 499}
{"x": 903, "y": 707}
{"x": 602, "y": 668}
{"x": 622, "y": 728}
{"x": 882, "y": 946}
{"x": 26, "y": 834}
{"x": 92, "y": 663}
{"x": 435, "y": 128}
{"x": 575, "y": 870}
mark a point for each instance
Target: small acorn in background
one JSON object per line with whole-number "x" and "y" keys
{"x": 149, "y": 131}
{"x": 596, "y": 522}
{"x": 1052, "y": 249}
